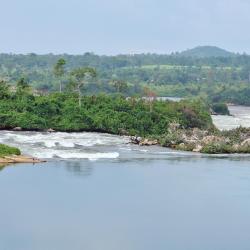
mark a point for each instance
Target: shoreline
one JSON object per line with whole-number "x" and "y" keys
{"x": 235, "y": 141}
{"x": 19, "y": 159}
{"x": 213, "y": 141}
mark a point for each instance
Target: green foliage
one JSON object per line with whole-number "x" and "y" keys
{"x": 233, "y": 94}
{"x": 7, "y": 150}
{"x": 206, "y": 51}
{"x": 103, "y": 113}
{"x": 22, "y": 88}
{"x": 220, "y": 108}
{"x": 224, "y": 77}
{"x": 80, "y": 77}
{"x": 59, "y": 71}
{"x": 234, "y": 142}
{"x": 81, "y": 73}
{"x": 195, "y": 114}
{"x": 4, "y": 90}
{"x": 236, "y": 135}
{"x": 120, "y": 86}
{"x": 186, "y": 147}
{"x": 170, "y": 139}
{"x": 59, "y": 68}
{"x": 217, "y": 148}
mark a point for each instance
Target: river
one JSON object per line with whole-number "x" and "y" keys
{"x": 240, "y": 116}
{"x": 98, "y": 192}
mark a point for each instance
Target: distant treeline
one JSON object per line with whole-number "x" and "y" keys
{"x": 226, "y": 78}
{"x": 119, "y": 61}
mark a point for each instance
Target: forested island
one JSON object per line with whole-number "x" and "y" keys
{"x": 117, "y": 95}
{"x": 184, "y": 125}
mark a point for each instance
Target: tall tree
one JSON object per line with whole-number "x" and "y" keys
{"x": 4, "y": 89}
{"x": 59, "y": 71}
{"x": 80, "y": 77}
{"x": 120, "y": 86}
{"x": 22, "y": 87}
{"x": 150, "y": 97}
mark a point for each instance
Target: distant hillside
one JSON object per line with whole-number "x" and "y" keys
{"x": 206, "y": 51}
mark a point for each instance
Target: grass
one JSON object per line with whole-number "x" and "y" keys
{"x": 7, "y": 150}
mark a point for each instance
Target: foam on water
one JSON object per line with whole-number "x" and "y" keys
{"x": 90, "y": 146}
{"x": 64, "y": 154}
{"x": 90, "y": 156}
{"x": 240, "y": 116}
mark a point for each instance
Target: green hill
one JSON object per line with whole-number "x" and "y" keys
{"x": 206, "y": 51}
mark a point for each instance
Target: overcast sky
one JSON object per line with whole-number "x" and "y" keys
{"x": 123, "y": 26}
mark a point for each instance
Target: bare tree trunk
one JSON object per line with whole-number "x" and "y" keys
{"x": 60, "y": 86}
{"x": 79, "y": 96}
{"x": 150, "y": 106}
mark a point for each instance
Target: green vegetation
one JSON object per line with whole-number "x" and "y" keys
{"x": 206, "y": 51}
{"x": 220, "y": 109}
{"x": 7, "y": 150}
{"x": 59, "y": 71}
{"x": 211, "y": 141}
{"x": 209, "y": 72}
{"x": 118, "y": 95}
{"x": 218, "y": 148}
{"x": 103, "y": 113}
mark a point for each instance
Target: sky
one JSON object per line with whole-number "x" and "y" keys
{"x": 122, "y": 26}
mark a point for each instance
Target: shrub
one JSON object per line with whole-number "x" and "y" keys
{"x": 217, "y": 148}
{"x": 171, "y": 139}
{"x": 220, "y": 108}
{"x": 186, "y": 146}
{"x": 7, "y": 150}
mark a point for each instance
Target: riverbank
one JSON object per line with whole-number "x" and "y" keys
{"x": 13, "y": 155}
{"x": 210, "y": 141}
{"x": 61, "y": 146}
{"x": 19, "y": 159}
{"x": 236, "y": 141}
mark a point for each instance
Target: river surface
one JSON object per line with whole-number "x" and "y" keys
{"x": 240, "y": 116}
{"x": 97, "y": 192}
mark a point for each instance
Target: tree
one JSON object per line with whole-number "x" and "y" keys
{"x": 80, "y": 77}
{"x": 4, "y": 89}
{"x": 59, "y": 71}
{"x": 150, "y": 97}
{"x": 120, "y": 85}
{"x": 22, "y": 87}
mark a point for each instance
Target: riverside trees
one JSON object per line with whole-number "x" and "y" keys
{"x": 4, "y": 89}
{"x": 100, "y": 113}
{"x": 80, "y": 77}
{"x": 59, "y": 71}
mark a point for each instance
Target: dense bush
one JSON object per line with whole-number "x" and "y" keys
{"x": 217, "y": 148}
{"x": 102, "y": 113}
{"x": 220, "y": 108}
{"x": 170, "y": 139}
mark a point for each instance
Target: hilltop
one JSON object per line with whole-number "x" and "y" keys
{"x": 206, "y": 51}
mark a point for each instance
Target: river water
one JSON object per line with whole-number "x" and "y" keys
{"x": 240, "y": 116}
{"x": 98, "y": 192}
